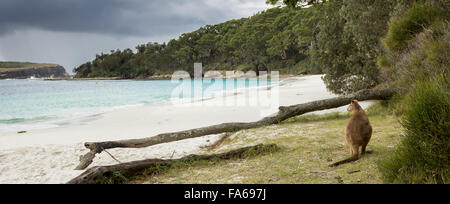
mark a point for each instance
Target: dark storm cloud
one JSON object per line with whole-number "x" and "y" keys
{"x": 72, "y": 32}
{"x": 122, "y": 17}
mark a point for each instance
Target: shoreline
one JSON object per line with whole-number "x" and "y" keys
{"x": 54, "y": 121}
{"x": 50, "y": 155}
{"x": 163, "y": 77}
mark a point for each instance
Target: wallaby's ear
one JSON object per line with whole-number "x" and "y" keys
{"x": 354, "y": 101}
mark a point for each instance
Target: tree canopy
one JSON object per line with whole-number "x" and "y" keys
{"x": 338, "y": 38}
{"x": 294, "y": 3}
{"x": 346, "y": 39}
{"x": 275, "y": 39}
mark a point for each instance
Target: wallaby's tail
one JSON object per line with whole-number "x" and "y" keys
{"x": 351, "y": 159}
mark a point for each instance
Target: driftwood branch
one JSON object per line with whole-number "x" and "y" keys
{"x": 99, "y": 174}
{"x": 283, "y": 114}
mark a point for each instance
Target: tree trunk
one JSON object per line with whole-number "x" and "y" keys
{"x": 283, "y": 114}
{"x": 96, "y": 175}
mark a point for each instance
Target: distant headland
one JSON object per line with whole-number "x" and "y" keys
{"x": 24, "y": 70}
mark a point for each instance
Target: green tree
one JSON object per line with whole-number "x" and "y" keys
{"x": 275, "y": 39}
{"x": 345, "y": 42}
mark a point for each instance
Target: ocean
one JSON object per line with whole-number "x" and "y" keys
{"x": 27, "y": 104}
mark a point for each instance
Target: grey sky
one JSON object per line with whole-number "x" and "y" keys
{"x": 71, "y": 32}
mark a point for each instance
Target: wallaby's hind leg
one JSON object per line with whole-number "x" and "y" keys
{"x": 355, "y": 156}
{"x": 364, "y": 151}
{"x": 363, "y": 148}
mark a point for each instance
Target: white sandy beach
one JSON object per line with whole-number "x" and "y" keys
{"x": 50, "y": 155}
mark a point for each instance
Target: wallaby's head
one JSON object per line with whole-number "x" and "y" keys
{"x": 354, "y": 105}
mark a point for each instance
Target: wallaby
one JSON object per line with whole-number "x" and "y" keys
{"x": 358, "y": 132}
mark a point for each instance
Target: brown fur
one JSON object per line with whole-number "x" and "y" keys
{"x": 358, "y": 132}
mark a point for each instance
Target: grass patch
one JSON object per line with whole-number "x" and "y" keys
{"x": 183, "y": 164}
{"x": 115, "y": 178}
{"x": 308, "y": 145}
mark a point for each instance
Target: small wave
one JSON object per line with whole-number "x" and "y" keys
{"x": 14, "y": 120}
{"x": 22, "y": 120}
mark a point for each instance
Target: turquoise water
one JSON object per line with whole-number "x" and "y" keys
{"x": 29, "y": 101}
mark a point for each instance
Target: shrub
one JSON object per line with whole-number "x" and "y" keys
{"x": 404, "y": 28}
{"x": 423, "y": 156}
{"x": 427, "y": 55}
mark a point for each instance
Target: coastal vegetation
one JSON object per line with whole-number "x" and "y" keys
{"x": 417, "y": 61}
{"x": 413, "y": 57}
{"x": 397, "y": 44}
{"x": 275, "y": 39}
{"x": 423, "y": 156}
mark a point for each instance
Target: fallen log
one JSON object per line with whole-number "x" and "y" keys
{"x": 96, "y": 175}
{"x": 283, "y": 114}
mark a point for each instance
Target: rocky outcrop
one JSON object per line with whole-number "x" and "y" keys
{"x": 37, "y": 72}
